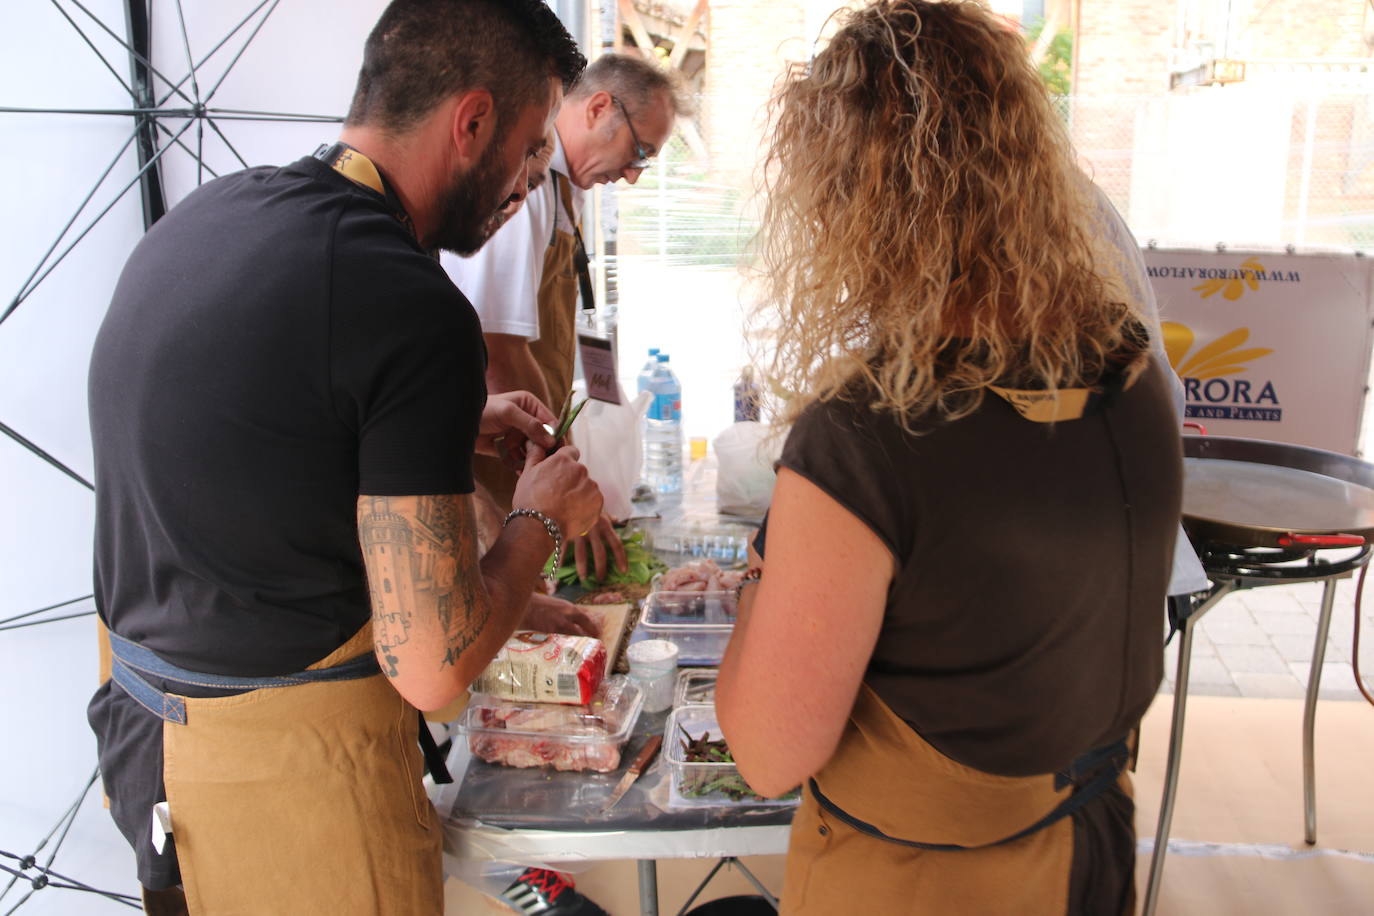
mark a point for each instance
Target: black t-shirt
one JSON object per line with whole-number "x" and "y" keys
{"x": 277, "y": 345}
{"x": 1025, "y": 622}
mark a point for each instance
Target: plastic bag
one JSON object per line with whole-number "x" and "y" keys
{"x": 745, "y": 453}
{"x": 607, "y": 436}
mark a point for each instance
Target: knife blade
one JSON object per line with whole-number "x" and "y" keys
{"x": 646, "y": 754}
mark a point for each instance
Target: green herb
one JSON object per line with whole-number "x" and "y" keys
{"x": 701, "y": 781}
{"x": 640, "y": 566}
{"x": 566, "y": 423}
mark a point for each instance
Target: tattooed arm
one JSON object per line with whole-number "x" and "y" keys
{"x": 439, "y": 611}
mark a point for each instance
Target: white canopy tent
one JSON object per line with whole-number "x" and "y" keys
{"x": 216, "y": 86}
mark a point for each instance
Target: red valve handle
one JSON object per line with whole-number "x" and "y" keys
{"x": 1321, "y": 540}
{"x": 1201, "y": 430}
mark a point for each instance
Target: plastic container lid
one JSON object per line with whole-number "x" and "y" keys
{"x": 695, "y": 686}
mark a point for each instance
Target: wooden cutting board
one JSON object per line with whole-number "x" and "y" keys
{"x": 615, "y": 621}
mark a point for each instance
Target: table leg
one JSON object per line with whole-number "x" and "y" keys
{"x": 1166, "y": 804}
{"x": 1309, "y": 715}
{"x": 648, "y": 887}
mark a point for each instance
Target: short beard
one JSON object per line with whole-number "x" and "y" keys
{"x": 466, "y": 209}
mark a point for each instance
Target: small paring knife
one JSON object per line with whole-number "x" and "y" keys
{"x": 646, "y": 754}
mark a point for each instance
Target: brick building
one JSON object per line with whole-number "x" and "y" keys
{"x": 1289, "y": 147}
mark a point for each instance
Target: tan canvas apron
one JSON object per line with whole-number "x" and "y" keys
{"x": 554, "y": 350}
{"x": 885, "y": 773}
{"x": 304, "y": 799}
{"x": 308, "y": 798}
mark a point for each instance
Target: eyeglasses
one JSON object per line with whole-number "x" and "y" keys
{"x": 641, "y": 159}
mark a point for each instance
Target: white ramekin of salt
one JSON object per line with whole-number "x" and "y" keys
{"x": 653, "y": 666}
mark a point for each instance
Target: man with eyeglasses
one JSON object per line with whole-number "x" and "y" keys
{"x": 526, "y": 282}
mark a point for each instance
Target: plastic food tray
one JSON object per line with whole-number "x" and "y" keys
{"x": 695, "y": 686}
{"x": 725, "y": 542}
{"x": 524, "y": 734}
{"x": 689, "y": 777}
{"x": 699, "y": 623}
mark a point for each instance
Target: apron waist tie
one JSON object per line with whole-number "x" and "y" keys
{"x": 130, "y": 658}
{"x": 1105, "y": 762}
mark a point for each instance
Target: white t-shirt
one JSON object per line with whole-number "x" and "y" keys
{"x": 502, "y": 279}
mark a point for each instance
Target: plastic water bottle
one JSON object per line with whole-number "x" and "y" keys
{"x": 642, "y": 380}
{"x": 663, "y": 431}
{"x": 748, "y": 396}
{"x": 642, "y": 383}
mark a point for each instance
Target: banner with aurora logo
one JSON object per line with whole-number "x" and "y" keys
{"x": 1269, "y": 345}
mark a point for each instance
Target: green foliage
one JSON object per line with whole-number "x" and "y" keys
{"x": 1056, "y": 68}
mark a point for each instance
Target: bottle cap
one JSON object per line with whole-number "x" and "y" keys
{"x": 663, "y": 357}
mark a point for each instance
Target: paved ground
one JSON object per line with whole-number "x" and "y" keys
{"x": 1259, "y": 642}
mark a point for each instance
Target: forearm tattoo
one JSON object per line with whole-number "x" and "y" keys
{"x": 422, "y": 563}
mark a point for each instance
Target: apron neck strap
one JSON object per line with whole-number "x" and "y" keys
{"x": 362, "y": 171}
{"x": 581, "y": 263}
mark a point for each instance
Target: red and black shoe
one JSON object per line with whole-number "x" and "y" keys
{"x": 548, "y": 893}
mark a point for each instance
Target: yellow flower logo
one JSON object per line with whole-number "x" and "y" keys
{"x": 1222, "y": 356}
{"x": 1233, "y": 288}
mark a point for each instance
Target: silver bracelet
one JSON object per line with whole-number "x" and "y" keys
{"x": 751, "y": 577}
{"x": 550, "y": 526}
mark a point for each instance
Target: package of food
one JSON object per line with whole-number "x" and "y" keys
{"x": 521, "y": 734}
{"x": 703, "y": 771}
{"x": 545, "y": 668}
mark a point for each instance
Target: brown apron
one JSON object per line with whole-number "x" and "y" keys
{"x": 885, "y": 774}
{"x": 304, "y": 799}
{"x": 555, "y": 349}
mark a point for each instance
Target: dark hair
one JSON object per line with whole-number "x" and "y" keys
{"x": 632, "y": 79}
{"x": 423, "y": 51}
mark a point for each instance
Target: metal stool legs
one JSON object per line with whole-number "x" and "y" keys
{"x": 1309, "y": 715}
{"x": 648, "y": 887}
{"x": 1166, "y": 804}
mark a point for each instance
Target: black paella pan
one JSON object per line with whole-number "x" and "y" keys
{"x": 1253, "y": 493}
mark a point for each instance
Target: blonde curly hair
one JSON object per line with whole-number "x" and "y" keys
{"x": 926, "y": 231}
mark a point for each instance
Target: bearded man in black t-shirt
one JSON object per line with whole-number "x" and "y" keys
{"x": 286, "y": 395}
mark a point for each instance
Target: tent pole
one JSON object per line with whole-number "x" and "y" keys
{"x": 138, "y": 22}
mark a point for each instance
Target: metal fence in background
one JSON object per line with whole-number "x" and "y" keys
{"x": 1257, "y": 165}
{"x": 1263, "y": 164}
{"x": 682, "y": 215}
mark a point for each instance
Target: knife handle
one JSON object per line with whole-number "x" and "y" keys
{"x": 646, "y": 753}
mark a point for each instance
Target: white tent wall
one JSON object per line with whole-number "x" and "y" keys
{"x": 304, "y": 59}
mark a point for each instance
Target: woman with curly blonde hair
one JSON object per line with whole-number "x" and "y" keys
{"x": 958, "y": 626}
